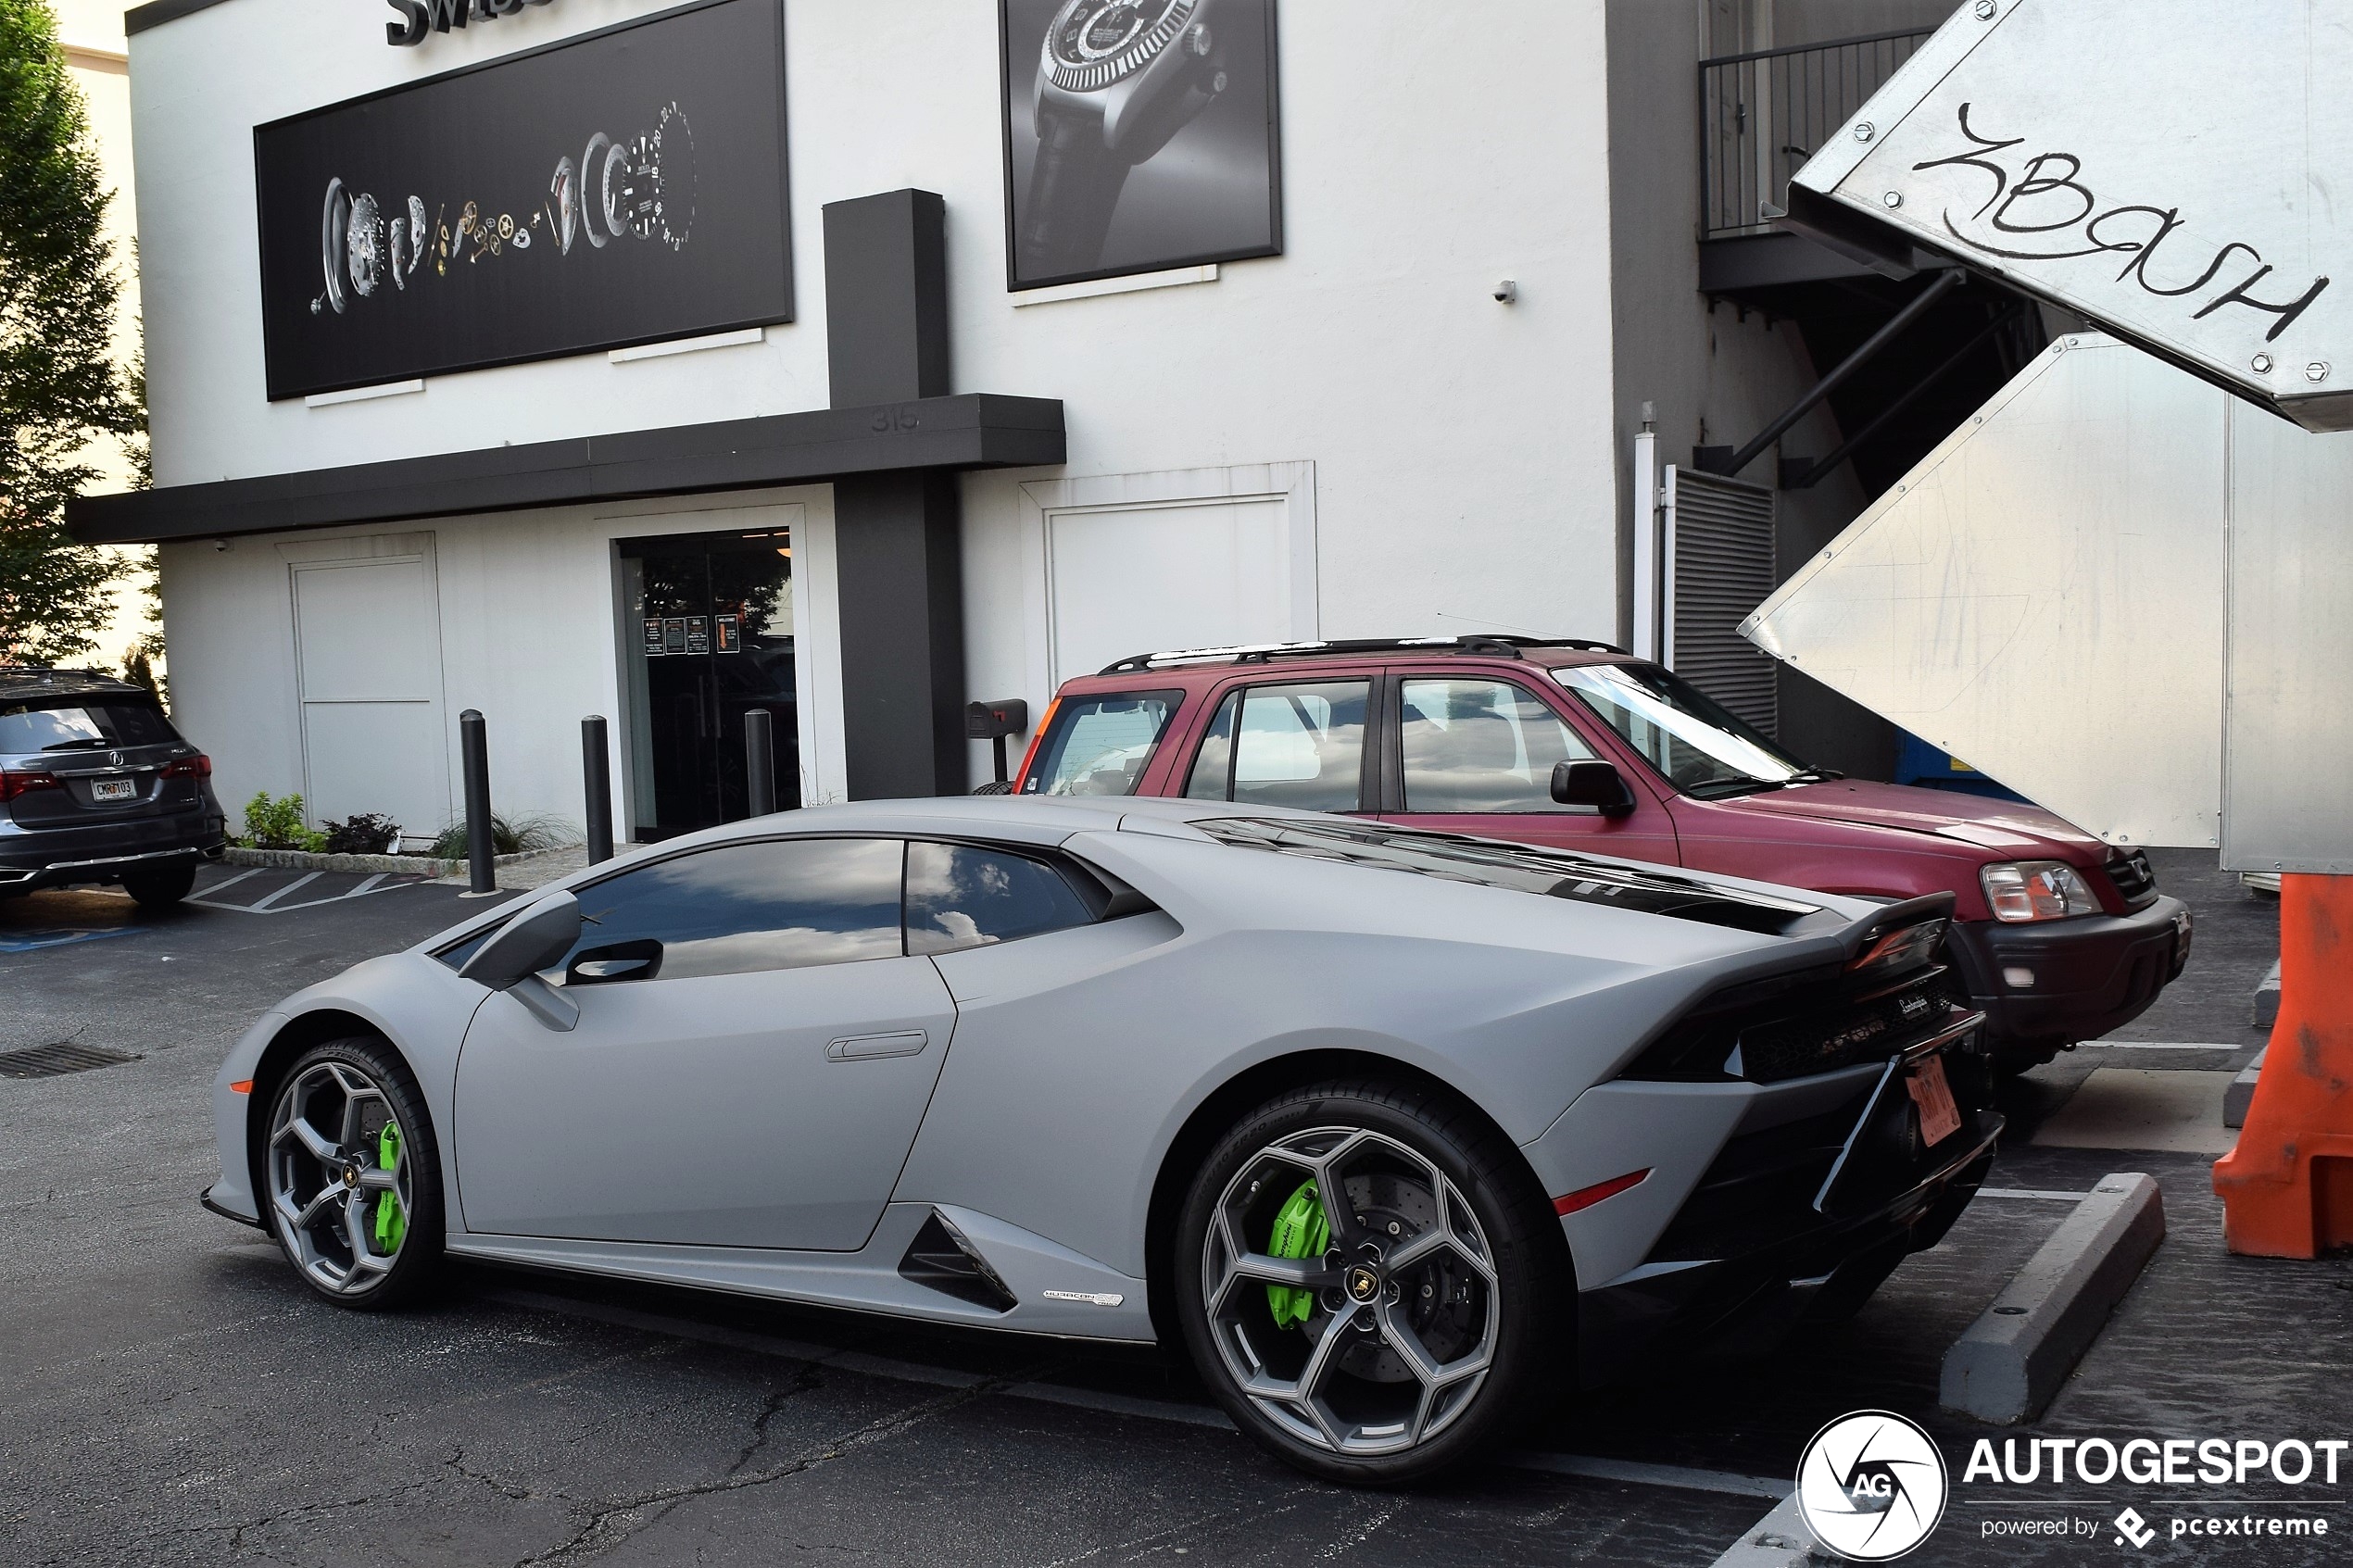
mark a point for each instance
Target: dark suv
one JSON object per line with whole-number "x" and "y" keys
{"x": 97, "y": 786}
{"x": 2057, "y": 937}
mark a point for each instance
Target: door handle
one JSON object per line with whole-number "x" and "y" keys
{"x": 859, "y": 1047}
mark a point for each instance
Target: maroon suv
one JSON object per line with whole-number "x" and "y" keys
{"x": 1581, "y": 746}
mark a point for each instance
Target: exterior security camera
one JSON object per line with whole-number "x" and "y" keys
{"x": 1506, "y": 293}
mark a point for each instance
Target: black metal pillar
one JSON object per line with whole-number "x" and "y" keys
{"x": 595, "y": 774}
{"x": 898, "y": 565}
{"x": 475, "y": 750}
{"x": 898, "y": 575}
{"x": 760, "y": 762}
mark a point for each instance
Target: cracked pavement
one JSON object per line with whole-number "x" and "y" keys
{"x": 173, "y": 1395}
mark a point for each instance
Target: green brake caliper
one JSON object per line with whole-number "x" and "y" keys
{"x": 1301, "y": 1231}
{"x": 391, "y": 1222}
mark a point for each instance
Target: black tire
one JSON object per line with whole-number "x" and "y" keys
{"x": 384, "y": 1279}
{"x": 1526, "y": 1311}
{"x": 161, "y": 887}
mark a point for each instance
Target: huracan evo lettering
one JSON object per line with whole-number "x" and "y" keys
{"x": 421, "y": 16}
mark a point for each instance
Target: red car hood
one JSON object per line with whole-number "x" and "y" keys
{"x": 2015, "y": 830}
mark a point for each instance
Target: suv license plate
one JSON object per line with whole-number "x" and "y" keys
{"x": 1940, "y": 1118}
{"x": 114, "y": 789}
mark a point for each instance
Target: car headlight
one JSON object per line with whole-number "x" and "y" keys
{"x": 2023, "y": 890}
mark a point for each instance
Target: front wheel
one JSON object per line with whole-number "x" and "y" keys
{"x": 353, "y": 1175}
{"x": 1370, "y": 1283}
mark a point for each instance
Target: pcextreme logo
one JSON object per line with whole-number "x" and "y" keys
{"x": 1871, "y": 1486}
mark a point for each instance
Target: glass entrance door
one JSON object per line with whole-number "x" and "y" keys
{"x": 709, "y": 638}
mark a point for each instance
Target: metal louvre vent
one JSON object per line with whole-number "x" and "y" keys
{"x": 53, "y": 1061}
{"x": 1722, "y": 532}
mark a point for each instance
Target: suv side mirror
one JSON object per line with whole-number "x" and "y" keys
{"x": 1593, "y": 783}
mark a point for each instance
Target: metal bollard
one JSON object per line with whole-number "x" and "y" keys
{"x": 596, "y": 771}
{"x": 477, "y": 764}
{"x": 760, "y": 761}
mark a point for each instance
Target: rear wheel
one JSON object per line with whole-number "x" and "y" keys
{"x": 353, "y": 1176}
{"x": 161, "y": 887}
{"x": 1369, "y": 1281}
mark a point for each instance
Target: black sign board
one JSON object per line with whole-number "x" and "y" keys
{"x": 623, "y": 187}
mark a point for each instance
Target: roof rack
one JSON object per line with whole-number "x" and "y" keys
{"x": 1489, "y": 643}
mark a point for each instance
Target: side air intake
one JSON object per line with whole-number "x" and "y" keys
{"x": 940, "y": 1258}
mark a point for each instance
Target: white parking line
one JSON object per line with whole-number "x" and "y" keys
{"x": 228, "y": 882}
{"x": 269, "y": 903}
{"x": 2032, "y": 1192}
{"x": 1582, "y": 1466}
{"x": 1680, "y": 1478}
{"x": 2153, "y": 1046}
{"x": 305, "y": 880}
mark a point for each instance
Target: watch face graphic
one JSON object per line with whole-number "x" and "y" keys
{"x": 592, "y": 191}
{"x": 1091, "y": 44}
{"x": 629, "y": 189}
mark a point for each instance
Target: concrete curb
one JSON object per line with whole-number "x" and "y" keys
{"x": 2242, "y": 1090}
{"x": 420, "y": 865}
{"x": 2013, "y": 1358}
{"x": 2267, "y": 999}
{"x": 1778, "y": 1540}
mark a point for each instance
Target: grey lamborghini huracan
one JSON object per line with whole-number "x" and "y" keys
{"x": 1397, "y": 1132}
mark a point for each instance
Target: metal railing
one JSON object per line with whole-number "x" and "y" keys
{"x": 1762, "y": 115}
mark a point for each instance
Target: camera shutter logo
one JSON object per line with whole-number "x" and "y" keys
{"x": 1871, "y": 1486}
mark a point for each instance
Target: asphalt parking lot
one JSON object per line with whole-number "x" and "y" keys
{"x": 174, "y": 1396}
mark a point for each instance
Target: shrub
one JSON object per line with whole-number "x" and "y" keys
{"x": 367, "y": 833}
{"x": 277, "y": 825}
{"x": 520, "y": 836}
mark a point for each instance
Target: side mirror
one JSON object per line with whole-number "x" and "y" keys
{"x": 1593, "y": 783}
{"x": 527, "y": 944}
{"x": 640, "y": 959}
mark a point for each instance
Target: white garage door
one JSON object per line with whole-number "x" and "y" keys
{"x": 1142, "y": 579}
{"x": 367, "y": 637}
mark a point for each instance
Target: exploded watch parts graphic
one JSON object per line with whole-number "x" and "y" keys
{"x": 643, "y": 188}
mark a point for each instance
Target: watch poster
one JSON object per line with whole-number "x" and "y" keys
{"x": 1139, "y": 135}
{"x": 623, "y": 187}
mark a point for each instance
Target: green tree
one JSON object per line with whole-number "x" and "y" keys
{"x": 58, "y": 385}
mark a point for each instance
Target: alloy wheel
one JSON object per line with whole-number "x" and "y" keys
{"x": 1351, "y": 1291}
{"x": 340, "y": 1190}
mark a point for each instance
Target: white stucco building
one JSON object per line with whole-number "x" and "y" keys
{"x": 1355, "y": 436}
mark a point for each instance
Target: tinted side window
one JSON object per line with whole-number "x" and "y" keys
{"x": 1213, "y": 776}
{"x": 1098, "y": 744}
{"x": 784, "y": 904}
{"x": 1483, "y": 745}
{"x": 962, "y": 895}
{"x": 1299, "y": 745}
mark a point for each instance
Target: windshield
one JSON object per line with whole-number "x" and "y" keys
{"x": 1098, "y": 743}
{"x": 82, "y": 724}
{"x": 1696, "y": 745}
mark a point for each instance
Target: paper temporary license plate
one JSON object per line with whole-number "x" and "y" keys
{"x": 113, "y": 789}
{"x": 1940, "y": 1118}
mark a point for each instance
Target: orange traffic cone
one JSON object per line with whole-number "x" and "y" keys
{"x": 2288, "y": 1189}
